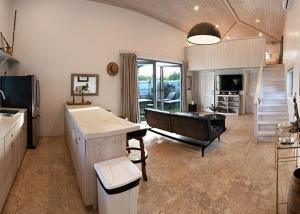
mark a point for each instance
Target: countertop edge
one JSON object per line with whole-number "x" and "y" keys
{"x": 14, "y": 122}
{"x": 92, "y": 136}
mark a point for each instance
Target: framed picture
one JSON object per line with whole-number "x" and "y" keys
{"x": 189, "y": 83}
{"x": 83, "y": 79}
{"x": 86, "y": 84}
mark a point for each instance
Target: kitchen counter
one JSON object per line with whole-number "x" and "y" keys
{"x": 95, "y": 122}
{"x": 7, "y": 123}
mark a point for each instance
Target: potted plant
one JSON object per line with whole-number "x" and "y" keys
{"x": 214, "y": 108}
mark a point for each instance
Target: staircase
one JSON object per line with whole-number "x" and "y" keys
{"x": 272, "y": 106}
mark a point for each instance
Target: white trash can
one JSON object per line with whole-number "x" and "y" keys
{"x": 118, "y": 186}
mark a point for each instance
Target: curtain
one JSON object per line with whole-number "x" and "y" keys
{"x": 184, "y": 87}
{"x": 129, "y": 93}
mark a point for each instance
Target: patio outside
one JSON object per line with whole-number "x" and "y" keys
{"x": 171, "y": 93}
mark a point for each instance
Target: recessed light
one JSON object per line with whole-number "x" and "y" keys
{"x": 257, "y": 20}
{"x": 217, "y": 26}
{"x": 260, "y": 34}
{"x": 227, "y": 37}
{"x": 196, "y": 7}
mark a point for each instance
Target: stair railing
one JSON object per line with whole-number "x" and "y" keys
{"x": 259, "y": 81}
{"x": 257, "y": 98}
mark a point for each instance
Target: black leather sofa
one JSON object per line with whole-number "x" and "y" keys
{"x": 184, "y": 127}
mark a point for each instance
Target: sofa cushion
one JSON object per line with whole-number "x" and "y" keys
{"x": 158, "y": 119}
{"x": 191, "y": 126}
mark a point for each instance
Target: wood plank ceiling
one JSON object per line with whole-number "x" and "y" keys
{"x": 236, "y": 19}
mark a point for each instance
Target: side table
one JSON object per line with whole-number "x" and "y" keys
{"x": 192, "y": 107}
{"x": 217, "y": 120}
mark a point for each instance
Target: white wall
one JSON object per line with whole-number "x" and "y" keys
{"x": 5, "y": 19}
{"x": 5, "y": 26}
{"x": 55, "y": 38}
{"x": 243, "y": 53}
{"x": 291, "y": 50}
{"x": 246, "y": 95}
{"x": 274, "y": 50}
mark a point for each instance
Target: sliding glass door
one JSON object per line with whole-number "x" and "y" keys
{"x": 145, "y": 86}
{"x": 169, "y": 94}
{"x": 159, "y": 86}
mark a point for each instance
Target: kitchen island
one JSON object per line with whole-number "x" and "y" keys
{"x": 93, "y": 134}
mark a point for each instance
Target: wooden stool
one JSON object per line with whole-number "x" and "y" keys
{"x": 138, "y": 135}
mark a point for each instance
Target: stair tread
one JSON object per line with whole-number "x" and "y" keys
{"x": 273, "y": 98}
{"x": 268, "y": 122}
{"x": 271, "y": 94}
{"x": 274, "y": 105}
{"x": 274, "y": 85}
{"x": 274, "y": 65}
{"x": 273, "y": 80}
{"x": 266, "y": 133}
{"x": 270, "y": 113}
{"x": 277, "y": 92}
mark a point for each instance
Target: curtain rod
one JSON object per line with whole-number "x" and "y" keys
{"x": 152, "y": 57}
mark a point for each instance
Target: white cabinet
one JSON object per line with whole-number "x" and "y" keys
{"x": 72, "y": 143}
{"x": 81, "y": 162}
{"x": 229, "y": 104}
{"x": 11, "y": 160}
{"x": 2, "y": 175}
{"x": 76, "y": 144}
{"x": 12, "y": 149}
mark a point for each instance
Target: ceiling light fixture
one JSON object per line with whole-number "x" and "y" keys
{"x": 217, "y": 26}
{"x": 196, "y": 7}
{"x": 257, "y": 20}
{"x": 260, "y": 34}
{"x": 227, "y": 37}
{"x": 204, "y": 34}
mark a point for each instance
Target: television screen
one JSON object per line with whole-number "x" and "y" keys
{"x": 229, "y": 82}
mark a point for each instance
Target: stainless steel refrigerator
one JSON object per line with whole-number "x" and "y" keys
{"x": 24, "y": 92}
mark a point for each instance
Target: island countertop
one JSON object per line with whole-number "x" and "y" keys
{"x": 7, "y": 123}
{"x": 95, "y": 122}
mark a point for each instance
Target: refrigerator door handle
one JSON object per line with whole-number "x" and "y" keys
{"x": 37, "y": 100}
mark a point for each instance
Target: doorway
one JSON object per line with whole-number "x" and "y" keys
{"x": 159, "y": 86}
{"x": 207, "y": 90}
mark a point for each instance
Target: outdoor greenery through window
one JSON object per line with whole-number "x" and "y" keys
{"x": 159, "y": 85}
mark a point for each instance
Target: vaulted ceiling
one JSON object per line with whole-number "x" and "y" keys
{"x": 236, "y": 19}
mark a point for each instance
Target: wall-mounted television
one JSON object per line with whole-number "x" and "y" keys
{"x": 231, "y": 82}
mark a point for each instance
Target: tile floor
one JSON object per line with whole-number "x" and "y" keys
{"x": 236, "y": 176}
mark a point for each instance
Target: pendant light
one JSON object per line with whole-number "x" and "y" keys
{"x": 204, "y": 34}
